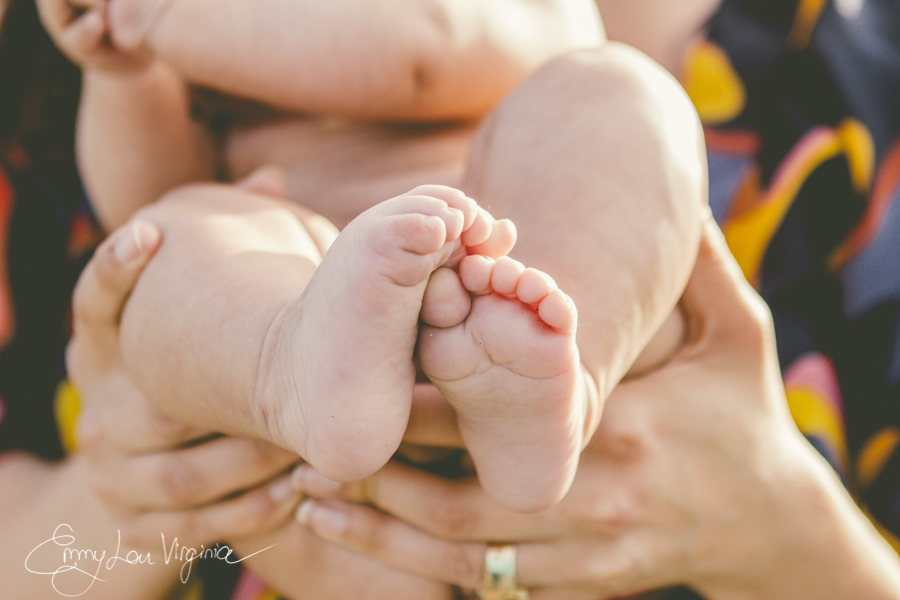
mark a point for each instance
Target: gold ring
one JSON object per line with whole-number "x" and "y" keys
{"x": 500, "y": 574}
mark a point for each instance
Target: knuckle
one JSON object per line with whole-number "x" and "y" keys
{"x": 765, "y": 326}
{"x": 178, "y": 483}
{"x": 251, "y": 514}
{"x": 372, "y": 533}
{"x": 452, "y": 519}
{"x": 103, "y": 486}
{"x": 624, "y": 438}
{"x": 104, "y": 269}
{"x": 206, "y": 525}
{"x": 256, "y": 511}
{"x": 132, "y": 533}
{"x": 84, "y": 295}
{"x": 162, "y": 425}
{"x": 616, "y": 515}
{"x": 619, "y": 573}
{"x": 137, "y": 531}
{"x": 191, "y": 526}
{"x": 757, "y": 329}
{"x": 464, "y": 567}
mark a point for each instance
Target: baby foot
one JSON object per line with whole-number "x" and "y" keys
{"x": 511, "y": 370}
{"x": 342, "y": 375}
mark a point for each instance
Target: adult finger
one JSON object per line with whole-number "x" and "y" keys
{"x": 569, "y": 593}
{"x": 193, "y": 476}
{"x": 108, "y": 279}
{"x": 116, "y": 417}
{"x": 394, "y": 542}
{"x": 303, "y": 566}
{"x": 575, "y": 561}
{"x": 717, "y": 297}
{"x": 456, "y": 510}
{"x": 251, "y": 513}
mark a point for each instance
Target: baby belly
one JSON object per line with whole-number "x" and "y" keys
{"x": 340, "y": 169}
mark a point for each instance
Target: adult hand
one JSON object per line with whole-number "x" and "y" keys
{"x": 155, "y": 474}
{"x": 301, "y": 566}
{"x": 697, "y": 475}
{"x": 151, "y": 474}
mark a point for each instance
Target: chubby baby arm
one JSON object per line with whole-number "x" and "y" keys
{"x": 135, "y": 138}
{"x": 383, "y": 59}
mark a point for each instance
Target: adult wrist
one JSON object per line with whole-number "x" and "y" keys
{"x": 814, "y": 543}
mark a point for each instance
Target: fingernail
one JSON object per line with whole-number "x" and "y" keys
{"x": 281, "y": 490}
{"x": 326, "y": 521}
{"x": 134, "y": 240}
{"x": 308, "y": 480}
{"x": 303, "y": 510}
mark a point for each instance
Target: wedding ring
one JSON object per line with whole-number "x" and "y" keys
{"x": 500, "y": 574}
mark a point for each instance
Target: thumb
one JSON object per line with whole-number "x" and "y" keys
{"x": 717, "y": 294}
{"x": 109, "y": 277}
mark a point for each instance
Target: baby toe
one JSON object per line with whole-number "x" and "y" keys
{"x": 534, "y": 286}
{"x": 480, "y": 230}
{"x": 416, "y": 233}
{"x": 506, "y": 275}
{"x": 445, "y": 303}
{"x": 454, "y": 198}
{"x": 475, "y": 273}
{"x": 558, "y": 311}
{"x": 501, "y": 240}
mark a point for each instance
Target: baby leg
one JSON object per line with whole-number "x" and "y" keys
{"x": 599, "y": 159}
{"x": 511, "y": 370}
{"x": 342, "y": 356}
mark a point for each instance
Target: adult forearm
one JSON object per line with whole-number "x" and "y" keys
{"x": 136, "y": 140}
{"x": 813, "y": 542}
{"x": 37, "y": 500}
{"x": 412, "y": 59}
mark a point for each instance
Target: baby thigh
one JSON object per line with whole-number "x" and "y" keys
{"x": 231, "y": 259}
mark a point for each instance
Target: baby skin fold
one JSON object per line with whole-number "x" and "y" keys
{"x": 498, "y": 343}
{"x": 422, "y": 276}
